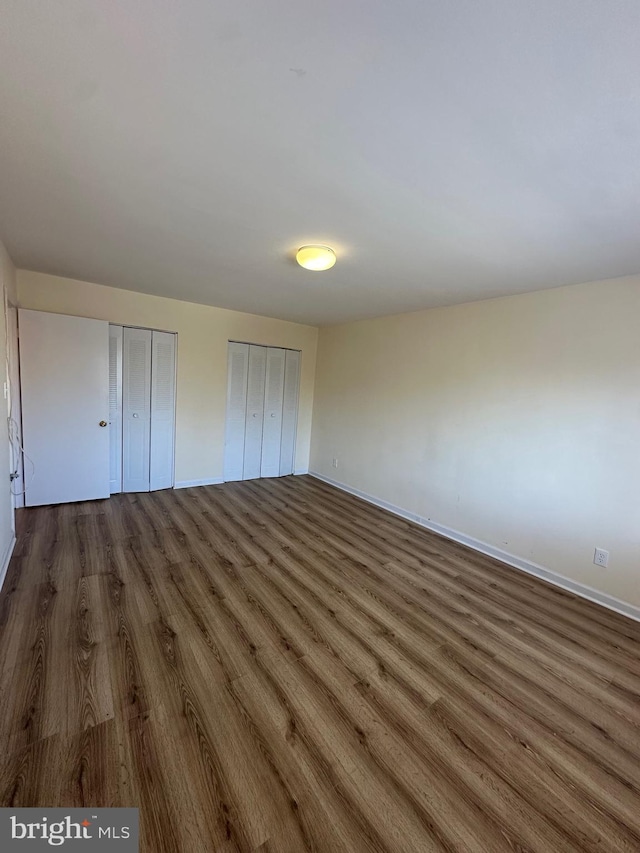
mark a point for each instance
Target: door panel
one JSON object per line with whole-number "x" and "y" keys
{"x": 115, "y": 408}
{"x": 136, "y": 409}
{"x": 255, "y": 412}
{"x": 163, "y": 381}
{"x": 14, "y": 408}
{"x": 289, "y": 412}
{"x": 64, "y": 365}
{"x": 272, "y": 421}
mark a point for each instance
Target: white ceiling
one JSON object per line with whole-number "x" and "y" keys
{"x": 449, "y": 150}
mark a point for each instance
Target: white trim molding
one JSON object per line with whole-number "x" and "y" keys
{"x": 4, "y": 566}
{"x": 187, "y": 484}
{"x": 527, "y": 566}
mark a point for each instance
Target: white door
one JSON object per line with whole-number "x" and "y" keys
{"x": 163, "y": 381}
{"x": 115, "y": 409}
{"x": 262, "y": 411}
{"x": 136, "y": 409}
{"x": 237, "y": 373}
{"x": 272, "y": 421}
{"x": 14, "y": 409}
{"x": 255, "y": 412}
{"x": 289, "y": 412}
{"x": 64, "y": 367}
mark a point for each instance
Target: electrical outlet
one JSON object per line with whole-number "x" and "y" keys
{"x": 601, "y": 557}
{"x": 335, "y": 463}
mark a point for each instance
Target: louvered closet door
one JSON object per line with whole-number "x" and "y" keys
{"x": 237, "y": 373}
{"x": 272, "y": 421}
{"x": 255, "y": 412}
{"x": 289, "y": 412}
{"x": 115, "y": 409}
{"x": 163, "y": 378}
{"x": 136, "y": 409}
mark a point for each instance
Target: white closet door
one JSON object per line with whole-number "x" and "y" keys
{"x": 289, "y": 412}
{"x": 237, "y": 373}
{"x": 115, "y": 408}
{"x": 272, "y": 422}
{"x": 136, "y": 410}
{"x": 255, "y": 412}
{"x": 64, "y": 372}
{"x": 163, "y": 382}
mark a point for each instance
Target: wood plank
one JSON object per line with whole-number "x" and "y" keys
{"x": 275, "y": 665}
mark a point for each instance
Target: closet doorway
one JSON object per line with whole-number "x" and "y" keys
{"x": 262, "y": 411}
{"x": 142, "y": 383}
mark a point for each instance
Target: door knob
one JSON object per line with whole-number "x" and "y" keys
{"x": 103, "y": 423}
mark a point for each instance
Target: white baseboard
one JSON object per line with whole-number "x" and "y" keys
{"x": 187, "y": 484}
{"x": 527, "y": 566}
{"x": 6, "y": 560}
{"x": 299, "y": 471}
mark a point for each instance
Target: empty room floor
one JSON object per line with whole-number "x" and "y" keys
{"x": 275, "y": 665}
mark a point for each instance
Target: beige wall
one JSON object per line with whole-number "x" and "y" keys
{"x": 8, "y": 287}
{"x": 203, "y": 333}
{"x": 515, "y": 421}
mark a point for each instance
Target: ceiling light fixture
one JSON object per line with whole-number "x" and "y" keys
{"x": 316, "y": 258}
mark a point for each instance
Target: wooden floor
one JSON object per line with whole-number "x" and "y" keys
{"x": 276, "y": 666}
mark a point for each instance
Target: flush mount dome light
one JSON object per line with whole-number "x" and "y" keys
{"x": 316, "y": 258}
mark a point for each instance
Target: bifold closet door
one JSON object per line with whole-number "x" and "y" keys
{"x": 136, "y": 409}
{"x": 142, "y": 378}
{"x": 237, "y": 374}
{"x": 262, "y": 411}
{"x": 255, "y": 412}
{"x": 163, "y": 380}
{"x": 115, "y": 409}
{"x": 272, "y": 420}
{"x": 289, "y": 412}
